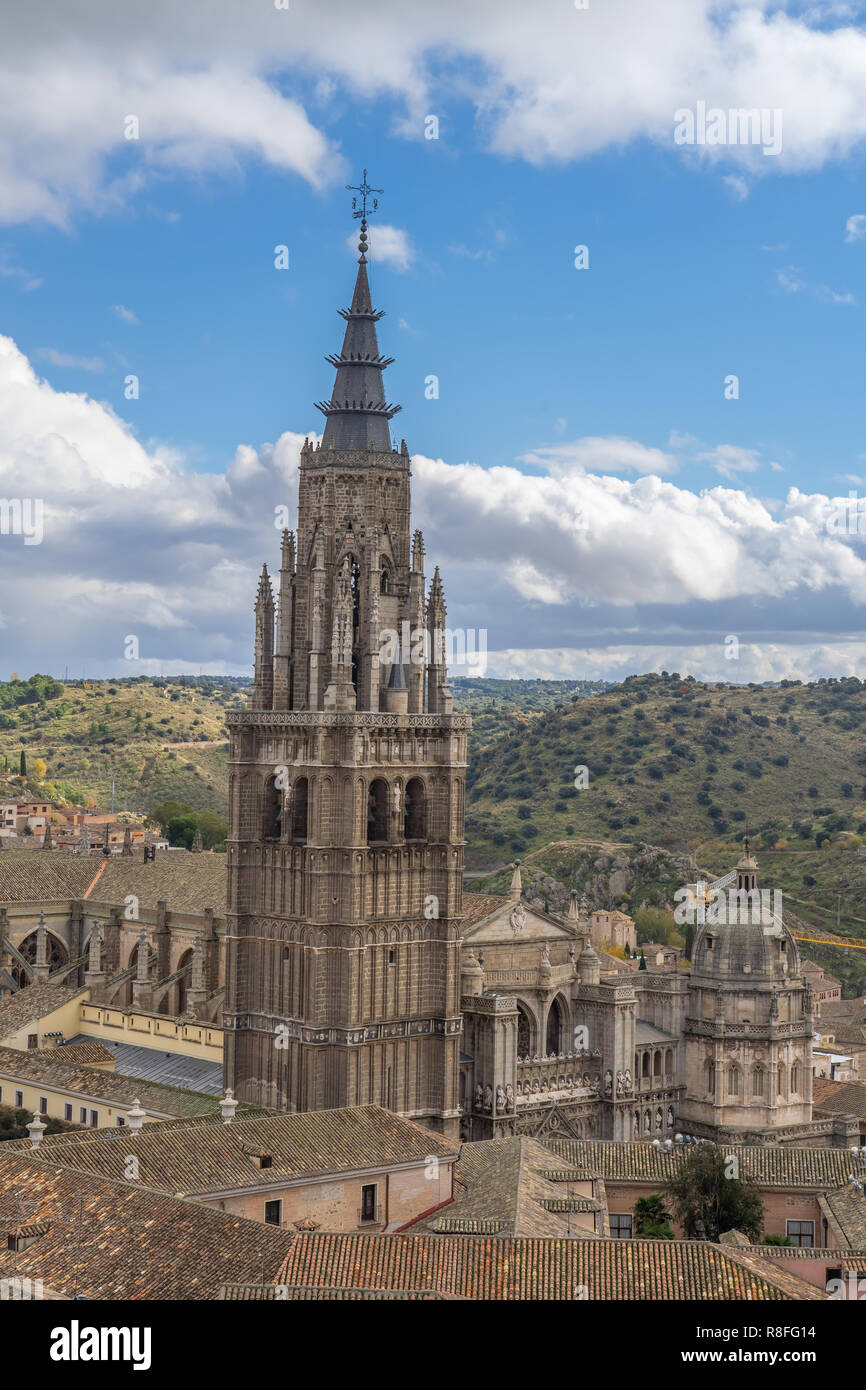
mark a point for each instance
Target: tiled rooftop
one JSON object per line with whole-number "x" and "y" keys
{"x": 497, "y": 1267}
{"x": 184, "y": 882}
{"x": 773, "y": 1166}
{"x": 839, "y": 1097}
{"x": 33, "y": 1002}
{"x": 845, "y": 1209}
{"x": 477, "y": 906}
{"x": 109, "y": 1240}
{"x": 201, "y": 1158}
{"x": 502, "y": 1186}
{"x": 107, "y": 1086}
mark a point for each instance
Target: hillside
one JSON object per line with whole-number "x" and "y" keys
{"x": 158, "y": 739}
{"x": 678, "y": 764}
{"x": 165, "y": 738}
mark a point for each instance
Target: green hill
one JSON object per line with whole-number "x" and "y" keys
{"x": 159, "y": 739}
{"x": 678, "y": 764}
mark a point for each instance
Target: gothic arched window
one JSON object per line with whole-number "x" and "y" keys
{"x": 385, "y": 580}
{"x": 415, "y": 810}
{"x": 780, "y": 1080}
{"x": 795, "y": 1079}
{"x": 711, "y": 1078}
{"x": 758, "y": 1081}
{"x": 525, "y": 1033}
{"x": 733, "y": 1081}
{"x": 300, "y": 811}
{"x": 377, "y": 811}
{"x": 553, "y": 1041}
{"x": 272, "y": 810}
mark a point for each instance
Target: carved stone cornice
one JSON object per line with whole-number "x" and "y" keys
{"x": 343, "y": 719}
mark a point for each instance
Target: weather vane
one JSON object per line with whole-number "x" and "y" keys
{"x": 363, "y": 211}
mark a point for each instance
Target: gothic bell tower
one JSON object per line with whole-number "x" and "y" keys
{"x": 347, "y": 777}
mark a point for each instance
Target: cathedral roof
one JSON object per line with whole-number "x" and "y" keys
{"x": 357, "y": 414}
{"x": 745, "y": 952}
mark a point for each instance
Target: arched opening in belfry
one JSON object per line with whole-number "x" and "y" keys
{"x": 300, "y": 811}
{"x": 377, "y": 811}
{"x": 272, "y": 810}
{"x": 356, "y": 621}
{"x": 57, "y": 955}
{"x": 384, "y": 579}
{"x": 554, "y": 1029}
{"x": 415, "y": 810}
{"x": 525, "y": 1033}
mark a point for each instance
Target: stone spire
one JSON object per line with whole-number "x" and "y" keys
{"x": 357, "y": 415}
{"x": 126, "y": 852}
{"x": 46, "y": 843}
{"x": 262, "y": 694}
{"x": 84, "y": 839}
{"x": 283, "y": 649}
{"x": 516, "y": 883}
{"x": 574, "y": 911}
{"x": 340, "y": 694}
{"x": 41, "y": 968}
{"x": 439, "y": 697}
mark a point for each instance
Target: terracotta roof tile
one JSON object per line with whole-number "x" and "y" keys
{"x": 497, "y": 1267}
{"x": 196, "y": 1157}
{"x": 108, "y": 1240}
{"x": 772, "y": 1166}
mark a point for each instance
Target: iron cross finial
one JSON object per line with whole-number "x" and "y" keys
{"x": 363, "y": 188}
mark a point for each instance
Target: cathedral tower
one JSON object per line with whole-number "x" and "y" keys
{"x": 347, "y": 775}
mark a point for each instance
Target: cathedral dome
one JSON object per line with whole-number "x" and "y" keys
{"x": 745, "y": 950}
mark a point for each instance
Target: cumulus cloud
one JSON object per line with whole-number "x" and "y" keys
{"x": 610, "y": 454}
{"x": 562, "y": 560}
{"x": 209, "y": 91}
{"x": 388, "y": 245}
{"x": 125, "y": 315}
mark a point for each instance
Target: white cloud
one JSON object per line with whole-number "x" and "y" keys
{"x": 125, "y": 315}
{"x": 213, "y": 87}
{"x": 730, "y": 459}
{"x": 792, "y": 282}
{"x": 737, "y": 187}
{"x": 69, "y": 359}
{"x": 855, "y": 227}
{"x": 388, "y": 245}
{"x": 610, "y": 454}
{"x": 135, "y": 541}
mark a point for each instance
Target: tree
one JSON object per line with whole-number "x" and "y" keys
{"x": 642, "y": 965}
{"x": 180, "y": 831}
{"x": 39, "y": 769}
{"x": 22, "y": 766}
{"x": 689, "y": 945}
{"x": 709, "y": 1197}
{"x": 652, "y": 1220}
{"x": 162, "y": 814}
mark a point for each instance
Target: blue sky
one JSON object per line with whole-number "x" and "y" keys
{"x": 155, "y": 257}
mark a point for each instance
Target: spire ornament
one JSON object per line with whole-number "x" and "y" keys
{"x": 363, "y": 188}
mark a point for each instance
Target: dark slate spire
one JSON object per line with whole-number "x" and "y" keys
{"x": 357, "y": 414}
